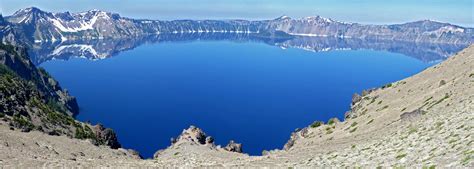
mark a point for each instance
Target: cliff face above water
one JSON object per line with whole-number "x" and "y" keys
{"x": 30, "y": 99}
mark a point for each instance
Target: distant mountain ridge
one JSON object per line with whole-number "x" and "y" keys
{"x": 34, "y": 25}
{"x": 97, "y": 49}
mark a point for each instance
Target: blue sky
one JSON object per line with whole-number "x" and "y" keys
{"x": 363, "y": 11}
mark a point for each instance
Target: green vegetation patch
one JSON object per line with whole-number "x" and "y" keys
{"x": 428, "y": 99}
{"x": 84, "y": 132}
{"x": 353, "y": 124}
{"x": 382, "y": 108}
{"x": 412, "y": 130}
{"x": 446, "y": 96}
{"x": 429, "y": 167}
{"x": 329, "y": 131}
{"x": 387, "y": 86}
{"x": 332, "y": 121}
{"x": 373, "y": 100}
{"x": 400, "y": 156}
{"x": 20, "y": 121}
{"x": 316, "y": 124}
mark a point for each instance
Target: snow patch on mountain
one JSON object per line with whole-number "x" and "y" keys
{"x": 83, "y": 25}
{"x": 450, "y": 29}
{"x": 82, "y": 48}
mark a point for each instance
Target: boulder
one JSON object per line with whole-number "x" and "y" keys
{"x": 233, "y": 147}
{"x": 408, "y": 116}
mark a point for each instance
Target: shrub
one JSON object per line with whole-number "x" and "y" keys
{"x": 316, "y": 124}
{"x": 329, "y": 131}
{"x": 373, "y": 100}
{"x": 371, "y": 120}
{"x": 387, "y": 86}
{"x": 439, "y": 124}
{"x": 412, "y": 130}
{"x": 84, "y": 132}
{"x": 428, "y": 99}
{"x": 353, "y": 124}
{"x": 446, "y": 96}
{"x": 400, "y": 156}
{"x": 59, "y": 118}
{"x": 20, "y": 122}
{"x": 354, "y": 129}
{"x": 333, "y": 121}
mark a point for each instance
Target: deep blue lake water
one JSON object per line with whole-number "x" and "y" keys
{"x": 254, "y": 93}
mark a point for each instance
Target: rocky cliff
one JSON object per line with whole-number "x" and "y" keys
{"x": 30, "y": 99}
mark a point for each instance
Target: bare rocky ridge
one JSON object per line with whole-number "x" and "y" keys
{"x": 32, "y": 25}
{"x": 423, "y": 120}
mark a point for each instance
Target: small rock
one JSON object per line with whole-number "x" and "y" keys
{"x": 442, "y": 82}
{"x": 209, "y": 140}
{"x": 173, "y": 140}
{"x": 134, "y": 154}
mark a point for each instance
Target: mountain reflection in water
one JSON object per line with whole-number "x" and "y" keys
{"x": 106, "y": 48}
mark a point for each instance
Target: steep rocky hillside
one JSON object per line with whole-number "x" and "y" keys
{"x": 32, "y": 100}
{"x": 425, "y": 120}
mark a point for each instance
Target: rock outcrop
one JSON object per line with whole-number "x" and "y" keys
{"x": 105, "y": 136}
{"x": 194, "y": 135}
